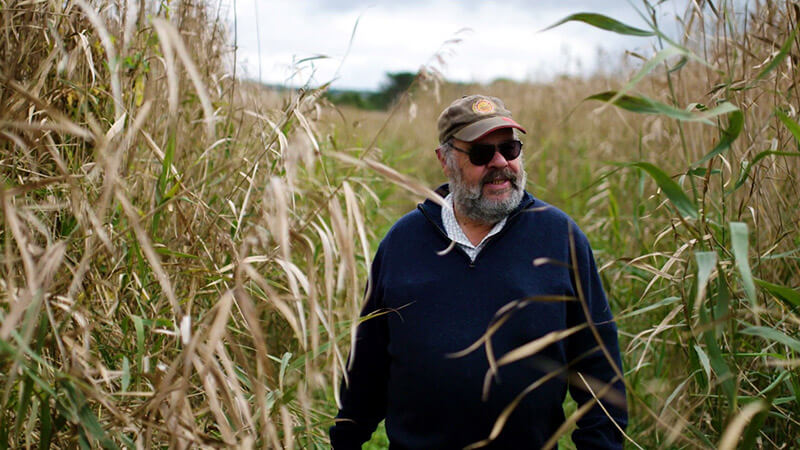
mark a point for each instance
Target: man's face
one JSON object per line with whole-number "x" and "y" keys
{"x": 489, "y": 192}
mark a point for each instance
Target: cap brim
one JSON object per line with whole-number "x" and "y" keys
{"x": 483, "y": 127}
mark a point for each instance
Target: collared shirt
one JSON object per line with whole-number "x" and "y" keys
{"x": 455, "y": 233}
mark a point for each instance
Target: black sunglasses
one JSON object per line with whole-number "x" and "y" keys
{"x": 481, "y": 154}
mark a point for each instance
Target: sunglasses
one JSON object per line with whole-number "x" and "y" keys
{"x": 481, "y": 154}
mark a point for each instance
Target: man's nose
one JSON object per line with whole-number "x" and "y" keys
{"x": 497, "y": 161}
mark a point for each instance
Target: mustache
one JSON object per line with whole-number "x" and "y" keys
{"x": 505, "y": 173}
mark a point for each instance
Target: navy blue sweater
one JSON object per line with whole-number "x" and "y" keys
{"x": 430, "y": 306}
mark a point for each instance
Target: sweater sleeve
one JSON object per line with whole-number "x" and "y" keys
{"x": 595, "y": 429}
{"x": 363, "y": 392}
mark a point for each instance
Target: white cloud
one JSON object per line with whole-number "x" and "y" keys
{"x": 392, "y": 36}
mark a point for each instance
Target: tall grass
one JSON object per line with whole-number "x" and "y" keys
{"x": 710, "y": 278}
{"x": 184, "y": 253}
{"x": 179, "y": 264}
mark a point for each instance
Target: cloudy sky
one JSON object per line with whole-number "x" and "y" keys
{"x": 495, "y": 39}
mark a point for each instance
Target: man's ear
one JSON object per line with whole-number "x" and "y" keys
{"x": 441, "y": 156}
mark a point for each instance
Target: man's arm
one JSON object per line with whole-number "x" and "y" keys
{"x": 596, "y": 430}
{"x": 363, "y": 394}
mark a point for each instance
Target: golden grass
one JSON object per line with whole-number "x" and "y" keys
{"x": 184, "y": 253}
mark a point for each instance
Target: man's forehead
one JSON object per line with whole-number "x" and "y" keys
{"x": 496, "y": 135}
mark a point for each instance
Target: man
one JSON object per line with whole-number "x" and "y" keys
{"x": 454, "y": 289}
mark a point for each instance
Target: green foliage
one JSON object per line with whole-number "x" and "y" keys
{"x": 727, "y": 301}
{"x": 672, "y": 190}
{"x": 356, "y": 99}
{"x": 729, "y": 134}
{"x": 604, "y": 23}
{"x": 396, "y": 85}
{"x": 645, "y": 105}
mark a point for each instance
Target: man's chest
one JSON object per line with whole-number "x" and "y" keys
{"x": 450, "y": 306}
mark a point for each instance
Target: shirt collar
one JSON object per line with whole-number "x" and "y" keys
{"x": 456, "y": 233}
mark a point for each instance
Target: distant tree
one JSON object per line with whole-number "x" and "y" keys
{"x": 352, "y": 98}
{"x": 395, "y": 85}
{"x": 392, "y": 88}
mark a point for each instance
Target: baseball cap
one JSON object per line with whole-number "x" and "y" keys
{"x": 473, "y": 116}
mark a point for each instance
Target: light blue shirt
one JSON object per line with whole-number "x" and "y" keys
{"x": 455, "y": 233}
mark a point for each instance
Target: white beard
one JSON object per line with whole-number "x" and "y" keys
{"x": 469, "y": 200}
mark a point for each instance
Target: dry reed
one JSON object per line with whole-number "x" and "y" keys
{"x": 184, "y": 253}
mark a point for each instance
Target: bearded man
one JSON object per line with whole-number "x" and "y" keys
{"x": 481, "y": 314}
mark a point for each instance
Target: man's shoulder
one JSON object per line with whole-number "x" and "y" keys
{"x": 413, "y": 222}
{"x": 541, "y": 211}
{"x": 545, "y": 218}
{"x": 412, "y": 232}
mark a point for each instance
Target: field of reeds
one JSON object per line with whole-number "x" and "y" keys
{"x": 184, "y": 253}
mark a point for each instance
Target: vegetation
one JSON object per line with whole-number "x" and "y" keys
{"x": 184, "y": 253}
{"x": 391, "y": 90}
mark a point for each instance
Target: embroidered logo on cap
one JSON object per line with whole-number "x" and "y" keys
{"x": 483, "y": 106}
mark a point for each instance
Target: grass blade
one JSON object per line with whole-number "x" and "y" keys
{"x": 535, "y": 346}
{"x": 754, "y": 428}
{"x": 604, "y": 23}
{"x": 86, "y": 417}
{"x": 771, "y": 334}
{"x": 126, "y": 373}
{"x": 706, "y": 262}
{"x": 746, "y": 166}
{"x": 46, "y": 434}
{"x": 648, "y": 67}
{"x": 724, "y": 375}
{"x": 24, "y": 403}
{"x": 787, "y": 45}
{"x": 735, "y": 125}
{"x": 740, "y": 243}
{"x": 167, "y": 31}
{"x": 670, "y": 188}
{"x": 790, "y": 124}
{"x": 139, "y": 326}
{"x": 163, "y": 181}
{"x": 644, "y": 105}
{"x": 731, "y": 436}
{"x": 723, "y": 300}
{"x": 641, "y": 105}
{"x": 788, "y": 296}
{"x": 704, "y": 361}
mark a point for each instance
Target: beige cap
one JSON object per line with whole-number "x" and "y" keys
{"x": 474, "y": 116}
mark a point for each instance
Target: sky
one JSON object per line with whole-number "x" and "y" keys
{"x": 354, "y": 43}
